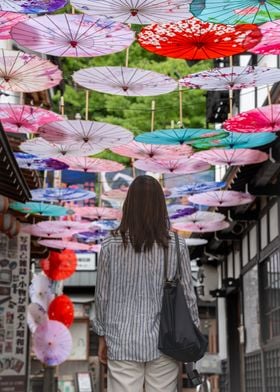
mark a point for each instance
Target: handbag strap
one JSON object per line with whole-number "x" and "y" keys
{"x": 178, "y": 252}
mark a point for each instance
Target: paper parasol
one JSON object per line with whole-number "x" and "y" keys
{"x": 270, "y": 42}
{"x": 67, "y": 226}
{"x": 189, "y": 189}
{"x": 238, "y": 140}
{"x": 62, "y": 309}
{"x": 32, "y": 162}
{"x": 69, "y": 245}
{"x": 88, "y": 237}
{"x": 43, "y": 209}
{"x": 201, "y": 227}
{"x": 24, "y": 118}
{"x": 36, "y": 315}
{"x": 40, "y": 290}
{"x": 7, "y": 21}
{"x": 93, "y": 165}
{"x": 263, "y": 119}
{"x": 48, "y": 232}
{"x": 98, "y": 213}
{"x": 179, "y": 136}
{"x": 105, "y": 224}
{"x": 222, "y": 198}
{"x": 204, "y": 216}
{"x": 176, "y": 211}
{"x": 234, "y": 157}
{"x": 195, "y": 241}
{"x": 125, "y": 81}
{"x": 32, "y": 7}
{"x": 61, "y": 194}
{"x": 231, "y": 78}
{"x": 236, "y": 11}
{"x": 59, "y": 265}
{"x": 22, "y": 72}
{"x": 192, "y": 39}
{"x": 136, "y": 11}
{"x": 52, "y": 343}
{"x": 143, "y": 151}
{"x": 67, "y": 35}
{"x": 87, "y": 135}
{"x": 45, "y": 149}
{"x": 115, "y": 194}
{"x": 174, "y": 166}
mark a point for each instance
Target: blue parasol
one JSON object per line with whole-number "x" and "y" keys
{"x": 61, "y": 194}
{"x": 189, "y": 189}
{"x": 32, "y": 162}
{"x": 176, "y": 211}
{"x": 88, "y": 237}
{"x": 43, "y": 209}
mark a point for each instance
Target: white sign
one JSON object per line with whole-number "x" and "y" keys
{"x": 86, "y": 261}
{"x": 84, "y": 382}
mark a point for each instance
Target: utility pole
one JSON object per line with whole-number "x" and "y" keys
{"x": 49, "y": 383}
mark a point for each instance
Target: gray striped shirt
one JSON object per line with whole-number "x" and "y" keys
{"x": 128, "y": 297}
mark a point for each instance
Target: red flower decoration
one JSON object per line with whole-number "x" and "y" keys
{"x": 59, "y": 265}
{"x": 62, "y": 309}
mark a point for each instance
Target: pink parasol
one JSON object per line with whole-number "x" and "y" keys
{"x": 23, "y": 72}
{"x": 7, "y": 21}
{"x": 97, "y": 213}
{"x": 270, "y": 41}
{"x": 67, "y": 226}
{"x": 45, "y": 149}
{"x": 115, "y": 194}
{"x": 201, "y": 227}
{"x": 231, "y": 78}
{"x": 143, "y": 151}
{"x": 52, "y": 343}
{"x": 125, "y": 81}
{"x": 36, "y": 315}
{"x": 202, "y": 216}
{"x": 263, "y": 119}
{"x": 40, "y": 290}
{"x": 72, "y": 35}
{"x": 89, "y": 136}
{"x": 234, "y": 157}
{"x": 179, "y": 166}
{"x": 222, "y": 198}
{"x": 24, "y": 118}
{"x": 70, "y": 245}
{"x": 93, "y": 165}
{"x": 48, "y": 232}
{"x": 136, "y": 11}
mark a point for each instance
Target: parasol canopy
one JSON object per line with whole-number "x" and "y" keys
{"x": 236, "y": 11}
{"x": 195, "y": 241}
{"x": 136, "y": 11}
{"x": 192, "y": 39}
{"x": 32, "y": 162}
{"x": 62, "y": 309}
{"x": 232, "y": 157}
{"x": 40, "y": 290}
{"x": 7, "y": 21}
{"x": 270, "y": 42}
{"x": 23, "y": 72}
{"x": 93, "y": 165}
{"x": 125, "y": 81}
{"x": 89, "y": 136}
{"x": 263, "y": 119}
{"x": 61, "y": 194}
{"x": 105, "y": 224}
{"x": 145, "y": 151}
{"x": 238, "y": 140}
{"x": 43, "y": 209}
{"x": 36, "y": 315}
{"x": 177, "y": 211}
{"x": 88, "y": 237}
{"x": 174, "y": 166}
{"x": 188, "y": 189}
{"x": 203, "y": 216}
{"x": 69, "y": 245}
{"x": 231, "y": 78}
{"x": 115, "y": 194}
{"x": 98, "y": 213}
{"x": 67, "y": 226}
{"x": 67, "y": 35}
{"x": 47, "y": 232}
{"x": 59, "y": 265}
{"x": 52, "y": 343}
{"x": 32, "y": 7}
{"x": 222, "y": 198}
{"x": 179, "y": 136}
{"x": 201, "y": 227}
{"x": 24, "y": 118}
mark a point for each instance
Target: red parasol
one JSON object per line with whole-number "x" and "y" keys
{"x": 201, "y": 227}
{"x": 93, "y": 165}
{"x": 68, "y": 245}
{"x": 98, "y": 213}
{"x": 7, "y": 21}
{"x": 180, "y": 165}
{"x": 234, "y": 157}
{"x": 59, "y": 265}
{"x": 143, "y": 151}
{"x": 62, "y": 309}
{"x": 263, "y": 119}
{"x": 193, "y": 39}
{"x": 222, "y": 198}
{"x": 23, "y": 72}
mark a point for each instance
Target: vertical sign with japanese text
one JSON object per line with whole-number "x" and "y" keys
{"x": 14, "y": 282}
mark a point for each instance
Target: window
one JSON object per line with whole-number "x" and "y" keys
{"x": 270, "y": 288}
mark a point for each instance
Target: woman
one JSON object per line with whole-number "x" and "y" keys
{"x": 129, "y": 293}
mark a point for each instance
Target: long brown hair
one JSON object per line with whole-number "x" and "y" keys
{"x": 145, "y": 218}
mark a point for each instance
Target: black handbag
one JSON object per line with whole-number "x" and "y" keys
{"x": 179, "y": 337}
